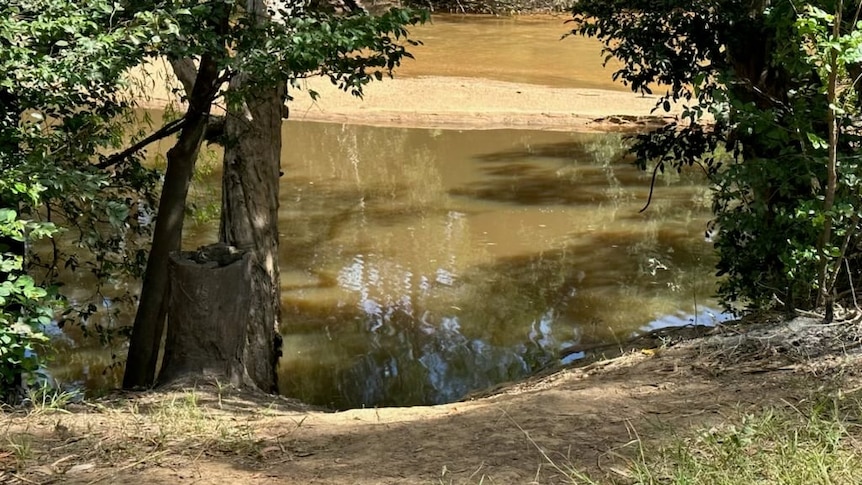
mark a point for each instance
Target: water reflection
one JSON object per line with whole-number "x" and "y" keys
{"x": 420, "y": 265}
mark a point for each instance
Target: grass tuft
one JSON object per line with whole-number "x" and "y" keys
{"x": 183, "y": 419}
{"x": 48, "y": 400}
{"x": 22, "y": 448}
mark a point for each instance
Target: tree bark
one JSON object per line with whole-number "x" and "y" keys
{"x": 249, "y": 215}
{"x": 825, "y": 296}
{"x": 186, "y": 73}
{"x": 249, "y": 218}
{"x": 208, "y": 307}
{"x": 149, "y": 323}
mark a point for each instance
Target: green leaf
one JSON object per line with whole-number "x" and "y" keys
{"x": 816, "y": 141}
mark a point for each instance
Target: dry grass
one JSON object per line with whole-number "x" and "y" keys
{"x": 57, "y": 439}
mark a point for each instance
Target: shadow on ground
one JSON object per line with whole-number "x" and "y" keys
{"x": 585, "y": 418}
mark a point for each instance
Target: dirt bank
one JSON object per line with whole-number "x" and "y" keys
{"x": 585, "y": 418}
{"x": 467, "y": 103}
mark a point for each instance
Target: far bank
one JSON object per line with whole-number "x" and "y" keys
{"x": 475, "y": 72}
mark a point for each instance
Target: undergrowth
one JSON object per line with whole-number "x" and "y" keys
{"x": 814, "y": 443}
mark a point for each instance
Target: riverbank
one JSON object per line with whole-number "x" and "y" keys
{"x": 453, "y": 103}
{"x": 606, "y": 421}
{"x": 472, "y": 103}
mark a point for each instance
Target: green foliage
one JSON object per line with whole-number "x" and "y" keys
{"x": 323, "y": 44}
{"x": 25, "y": 308}
{"x": 63, "y": 106}
{"x": 351, "y": 50}
{"x": 752, "y": 80}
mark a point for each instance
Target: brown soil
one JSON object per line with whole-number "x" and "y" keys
{"x": 584, "y": 417}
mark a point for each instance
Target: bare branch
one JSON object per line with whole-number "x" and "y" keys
{"x": 163, "y": 132}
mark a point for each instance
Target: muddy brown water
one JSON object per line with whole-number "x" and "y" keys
{"x": 526, "y": 49}
{"x": 420, "y": 265}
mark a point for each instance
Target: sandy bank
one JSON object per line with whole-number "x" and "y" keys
{"x": 450, "y": 102}
{"x": 454, "y": 103}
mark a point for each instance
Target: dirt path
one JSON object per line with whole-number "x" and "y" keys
{"x": 585, "y": 418}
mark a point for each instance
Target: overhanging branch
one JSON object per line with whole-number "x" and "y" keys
{"x": 214, "y": 134}
{"x": 163, "y": 132}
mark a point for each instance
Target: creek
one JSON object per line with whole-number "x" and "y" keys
{"x": 420, "y": 265}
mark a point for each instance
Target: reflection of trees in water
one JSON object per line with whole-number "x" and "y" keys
{"x": 582, "y": 171}
{"x": 410, "y": 364}
{"x": 398, "y": 292}
{"x": 589, "y": 170}
{"x": 418, "y": 310}
{"x": 365, "y": 165}
{"x": 398, "y": 338}
{"x": 86, "y": 366}
{"x": 506, "y": 320}
{"x": 392, "y": 256}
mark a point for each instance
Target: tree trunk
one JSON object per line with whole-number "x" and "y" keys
{"x": 249, "y": 218}
{"x": 249, "y": 215}
{"x": 208, "y": 307}
{"x": 825, "y": 296}
{"x": 149, "y": 324}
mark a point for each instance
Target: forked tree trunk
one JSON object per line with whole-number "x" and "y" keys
{"x": 207, "y": 311}
{"x": 249, "y": 218}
